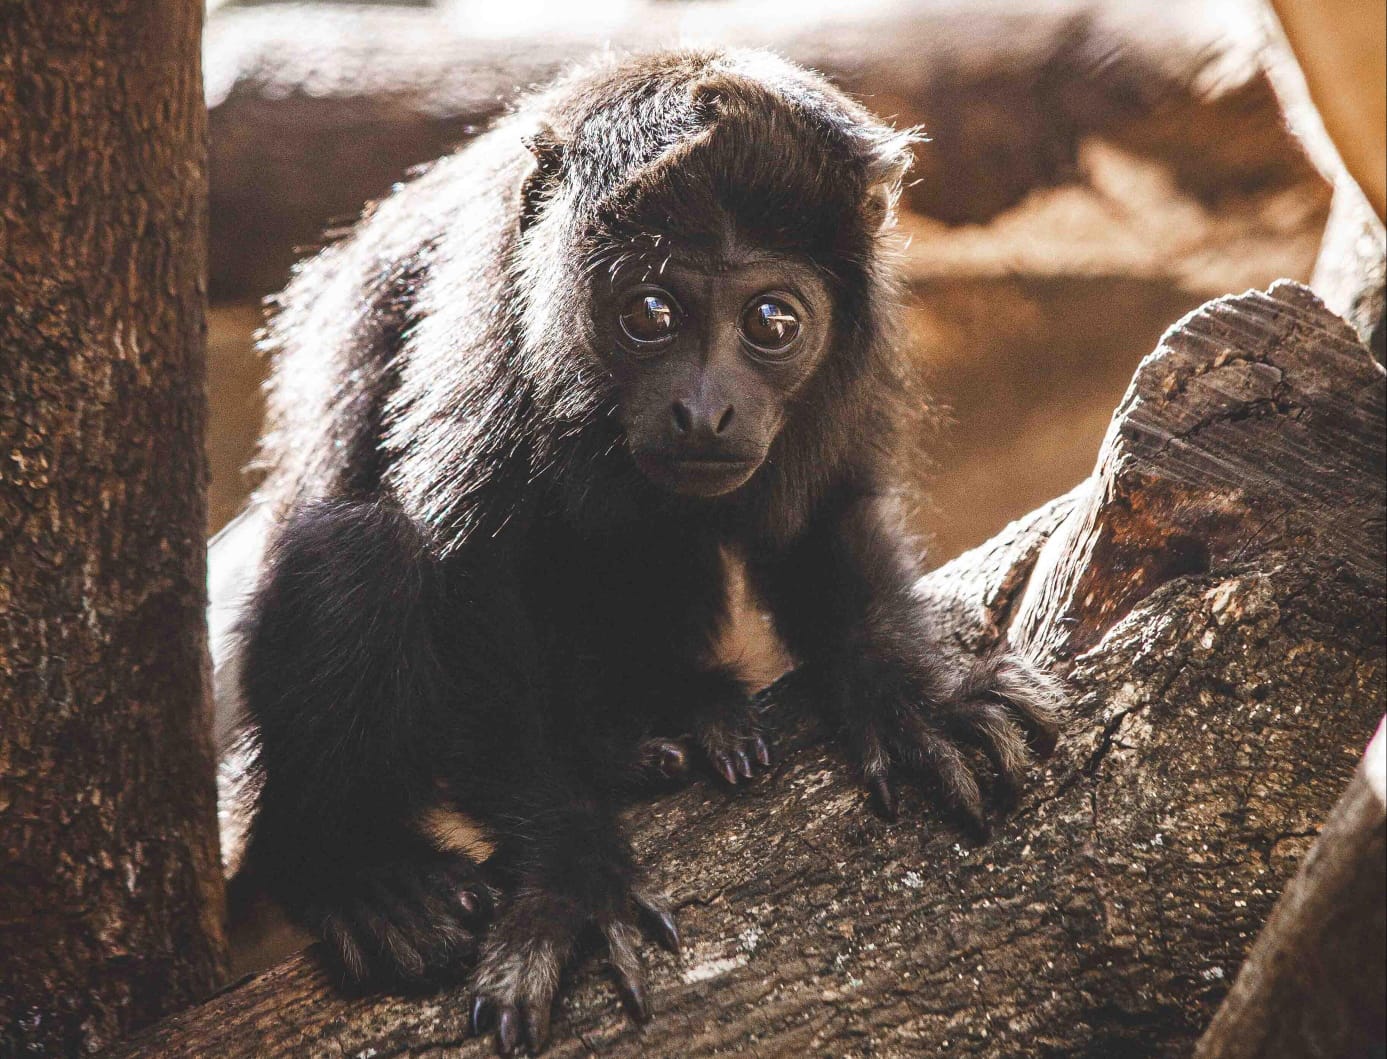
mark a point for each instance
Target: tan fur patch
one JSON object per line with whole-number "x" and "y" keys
{"x": 457, "y": 832}
{"x": 746, "y": 641}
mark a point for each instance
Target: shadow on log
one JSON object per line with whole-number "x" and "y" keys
{"x": 1213, "y": 594}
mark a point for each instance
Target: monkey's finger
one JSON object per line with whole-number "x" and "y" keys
{"x": 743, "y": 764}
{"x": 874, "y": 760}
{"x": 394, "y": 946}
{"x": 931, "y": 753}
{"x": 1036, "y": 698}
{"x": 626, "y": 967}
{"x": 985, "y": 725}
{"x": 722, "y": 765}
{"x": 507, "y": 1029}
{"x": 763, "y": 752}
{"x": 536, "y": 1016}
{"x": 674, "y": 761}
{"x": 632, "y": 986}
{"x": 659, "y": 921}
{"x": 342, "y": 941}
{"x": 664, "y": 758}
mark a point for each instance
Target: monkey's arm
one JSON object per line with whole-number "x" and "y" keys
{"x": 843, "y": 600}
{"x": 530, "y": 769}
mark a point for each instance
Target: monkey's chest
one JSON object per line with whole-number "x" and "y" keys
{"x": 629, "y": 602}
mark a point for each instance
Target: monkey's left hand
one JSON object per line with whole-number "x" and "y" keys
{"x": 903, "y": 717}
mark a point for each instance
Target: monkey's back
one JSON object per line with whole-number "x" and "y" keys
{"x": 338, "y": 327}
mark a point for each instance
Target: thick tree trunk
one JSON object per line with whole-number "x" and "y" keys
{"x": 110, "y": 894}
{"x": 1214, "y": 595}
{"x": 1315, "y": 984}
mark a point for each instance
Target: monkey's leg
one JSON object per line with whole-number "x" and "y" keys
{"x": 843, "y": 600}
{"x": 568, "y": 873}
{"x": 342, "y": 683}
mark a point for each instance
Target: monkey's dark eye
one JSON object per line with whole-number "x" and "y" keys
{"x": 649, "y": 318}
{"x": 770, "y": 324}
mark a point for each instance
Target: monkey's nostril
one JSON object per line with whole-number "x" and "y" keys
{"x": 724, "y": 420}
{"x": 683, "y": 421}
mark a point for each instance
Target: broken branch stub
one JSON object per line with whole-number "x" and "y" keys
{"x": 1248, "y": 431}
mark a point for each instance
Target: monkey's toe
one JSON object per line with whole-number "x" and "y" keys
{"x": 734, "y": 744}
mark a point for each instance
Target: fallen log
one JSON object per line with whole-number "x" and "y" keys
{"x": 1214, "y": 596}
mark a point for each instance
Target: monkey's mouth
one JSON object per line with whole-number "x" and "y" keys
{"x": 699, "y": 474}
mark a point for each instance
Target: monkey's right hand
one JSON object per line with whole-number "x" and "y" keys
{"x": 535, "y": 936}
{"x": 406, "y": 923}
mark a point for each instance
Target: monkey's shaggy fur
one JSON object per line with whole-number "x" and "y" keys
{"x": 473, "y": 597}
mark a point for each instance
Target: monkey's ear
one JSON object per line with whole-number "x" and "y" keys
{"x": 888, "y": 160}
{"x": 539, "y": 183}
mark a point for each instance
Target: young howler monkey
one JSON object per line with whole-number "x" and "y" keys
{"x": 517, "y": 416}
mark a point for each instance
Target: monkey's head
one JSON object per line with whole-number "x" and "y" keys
{"x": 702, "y": 245}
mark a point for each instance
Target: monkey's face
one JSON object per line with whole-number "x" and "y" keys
{"x": 706, "y": 361}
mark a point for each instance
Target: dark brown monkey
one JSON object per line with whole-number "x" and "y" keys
{"x": 518, "y": 415}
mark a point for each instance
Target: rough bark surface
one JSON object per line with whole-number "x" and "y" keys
{"x": 110, "y": 897}
{"x": 1315, "y": 984}
{"x": 307, "y": 121}
{"x": 1220, "y": 706}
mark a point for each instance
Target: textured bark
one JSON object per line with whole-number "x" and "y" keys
{"x": 307, "y": 120}
{"x": 110, "y": 897}
{"x": 1221, "y": 703}
{"x": 1315, "y": 984}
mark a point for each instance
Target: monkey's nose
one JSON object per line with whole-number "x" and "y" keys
{"x": 693, "y": 419}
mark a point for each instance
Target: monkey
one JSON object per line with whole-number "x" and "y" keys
{"x": 518, "y": 416}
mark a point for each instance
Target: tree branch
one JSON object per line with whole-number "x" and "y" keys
{"x": 1214, "y": 595}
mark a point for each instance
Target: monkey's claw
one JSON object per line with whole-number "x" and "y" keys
{"x": 733, "y": 743}
{"x": 992, "y": 710}
{"x": 517, "y": 978}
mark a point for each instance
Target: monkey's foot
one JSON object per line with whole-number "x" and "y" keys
{"x": 997, "y": 706}
{"x": 733, "y": 740}
{"x": 517, "y": 979}
{"x": 405, "y": 924}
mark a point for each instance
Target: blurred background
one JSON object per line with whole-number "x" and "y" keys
{"x": 1096, "y": 170}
